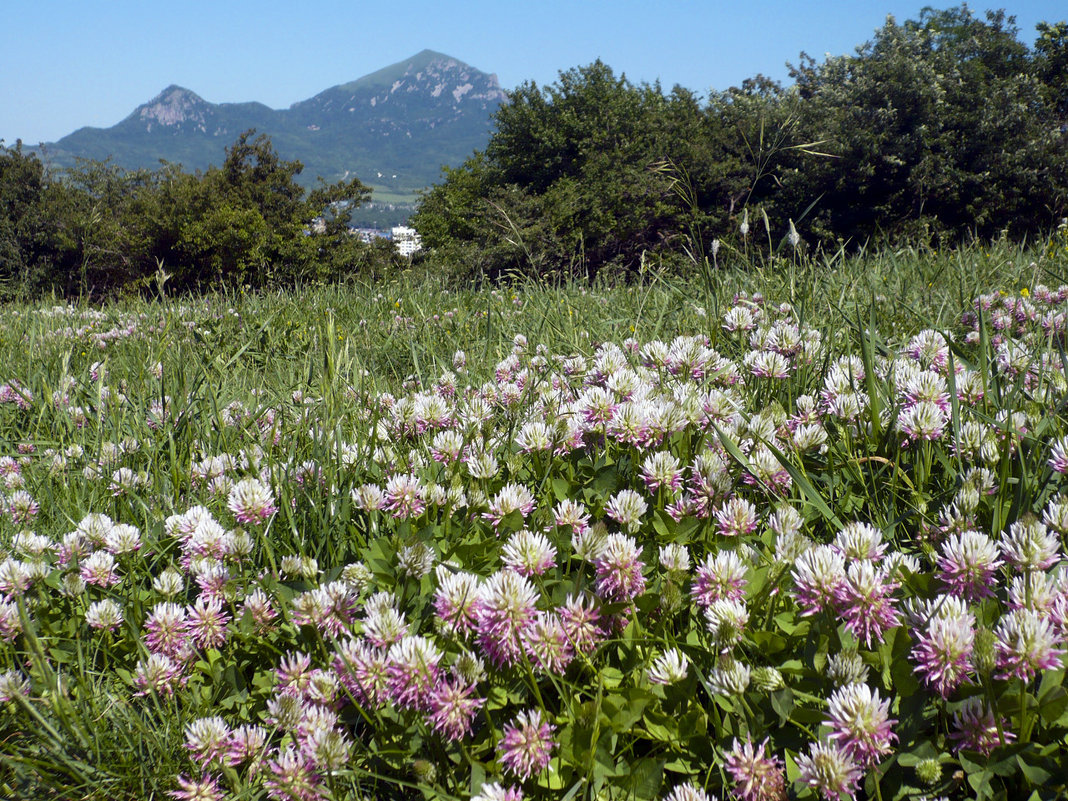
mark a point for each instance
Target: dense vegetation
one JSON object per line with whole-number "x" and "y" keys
{"x": 938, "y": 129}
{"x": 99, "y": 230}
{"x": 799, "y": 532}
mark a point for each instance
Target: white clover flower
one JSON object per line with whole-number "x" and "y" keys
{"x": 1056, "y": 514}
{"x": 303, "y": 566}
{"x": 238, "y": 544}
{"x": 588, "y": 543}
{"x": 384, "y": 625}
{"x": 105, "y": 614}
{"x": 1035, "y": 590}
{"x": 495, "y": 791}
{"x": 251, "y": 501}
{"x": 207, "y": 738}
{"x": 95, "y": 527}
{"x": 670, "y": 667}
{"x": 447, "y": 446}
{"x": 512, "y": 497}
{"x": 329, "y": 749}
{"x": 897, "y": 564}
{"x": 368, "y": 497}
{"x": 415, "y": 560}
{"x": 845, "y": 668}
{"x": 767, "y": 364}
{"x": 37, "y": 569}
{"x": 625, "y": 383}
{"x": 168, "y": 583}
{"x": 674, "y": 557}
{"x": 1029, "y": 545}
{"x": 482, "y": 466}
{"x": 534, "y": 436}
{"x": 809, "y": 437}
{"x": 358, "y": 576}
{"x": 30, "y": 544}
{"x": 859, "y": 540}
{"x": 122, "y": 538}
{"x": 687, "y": 792}
{"x": 739, "y": 318}
{"x": 72, "y": 585}
{"x": 14, "y": 576}
{"x": 730, "y": 677}
{"x": 923, "y": 420}
{"x": 13, "y": 685}
{"x": 529, "y": 553}
{"x": 661, "y": 470}
{"x": 626, "y": 507}
{"x": 847, "y": 405}
{"x": 726, "y": 619}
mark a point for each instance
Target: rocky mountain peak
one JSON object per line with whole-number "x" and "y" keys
{"x": 435, "y": 82}
{"x": 175, "y": 105}
{"x": 395, "y": 127}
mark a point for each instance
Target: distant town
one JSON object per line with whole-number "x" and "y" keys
{"x": 405, "y": 239}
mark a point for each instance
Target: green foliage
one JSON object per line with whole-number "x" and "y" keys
{"x": 27, "y": 241}
{"x": 21, "y": 183}
{"x": 940, "y": 122}
{"x": 1051, "y": 62}
{"x": 572, "y": 180}
{"x": 942, "y": 128}
{"x": 98, "y": 229}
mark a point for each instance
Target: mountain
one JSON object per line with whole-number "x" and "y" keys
{"x": 393, "y": 129}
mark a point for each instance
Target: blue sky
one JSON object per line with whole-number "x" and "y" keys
{"x": 69, "y": 63}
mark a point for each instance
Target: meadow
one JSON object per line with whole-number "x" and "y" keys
{"x": 786, "y": 529}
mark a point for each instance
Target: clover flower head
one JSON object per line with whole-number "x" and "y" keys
{"x": 529, "y": 553}
{"x": 967, "y": 564}
{"x": 670, "y": 667}
{"x": 976, "y": 729}
{"x": 830, "y": 771}
{"x": 526, "y": 745}
{"x": 251, "y": 501}
{"x": 756, "y": 776}
{"x": 619, "y": 569}
{"x": 451, "y": 709}
{"x": 860, "y": 724}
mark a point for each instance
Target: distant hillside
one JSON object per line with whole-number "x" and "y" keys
{"x": 393, "y": 129}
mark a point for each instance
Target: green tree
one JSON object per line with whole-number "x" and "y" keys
{"x": 102, "y": 220}
{"x": 1051, "y": 64}
{"x": 761, "y": 146}
{"x": 250, "y": 222}
{"x": 937, "y": 123}
{"x": 28, "y": 241}
{"x": 99, "y": 229}
{"x": 572, "y": 181}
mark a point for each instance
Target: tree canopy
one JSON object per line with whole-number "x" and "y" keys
{"x": 946, "y": 126}
{"x": 98, "y": 229}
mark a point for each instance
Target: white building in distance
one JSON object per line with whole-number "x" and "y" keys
{"x": 406, "y": 240}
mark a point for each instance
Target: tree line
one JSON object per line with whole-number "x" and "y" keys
{"x": 942, "y": 128}
{"x": 99, "y": 230}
